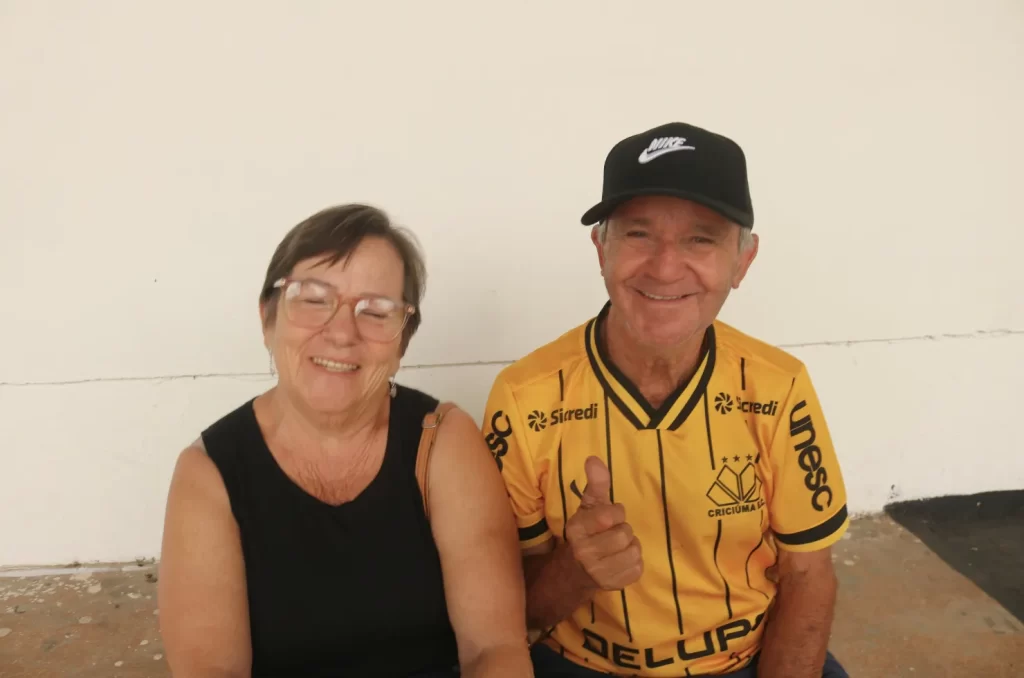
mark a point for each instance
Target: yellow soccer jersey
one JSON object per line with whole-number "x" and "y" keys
{"x": 733, "y": 466}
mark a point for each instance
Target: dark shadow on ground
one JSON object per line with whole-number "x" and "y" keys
{"x": 979, "y": 535}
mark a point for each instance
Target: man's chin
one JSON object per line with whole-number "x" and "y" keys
{"x": 661, "y": 327}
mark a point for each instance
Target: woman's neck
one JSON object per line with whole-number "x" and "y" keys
{"x": 316, "y": 434}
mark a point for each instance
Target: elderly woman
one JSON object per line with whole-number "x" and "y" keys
{"x": 299, "y": 540}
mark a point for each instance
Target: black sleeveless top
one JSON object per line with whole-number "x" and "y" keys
{"x": 350, "y": 590}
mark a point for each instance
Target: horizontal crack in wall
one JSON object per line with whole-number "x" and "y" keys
{"x": 979, "y": 334}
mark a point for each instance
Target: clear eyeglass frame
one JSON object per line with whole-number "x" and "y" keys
{"x": 383, "y": 330}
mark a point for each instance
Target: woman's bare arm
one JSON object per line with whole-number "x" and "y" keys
{"x": 204, "y": 616}
{"x": 476, "y": 536}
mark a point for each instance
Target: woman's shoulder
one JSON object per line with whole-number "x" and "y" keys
{"x": 208, "y": 464}
{"x": 229, "y": 427}
{"x": 223, "y": 447}
{"x": 412, "y": 406}
{"x": 195, "y": 474}
{"x": 414, "y": 403}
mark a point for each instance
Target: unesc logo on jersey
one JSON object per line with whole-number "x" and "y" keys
{"x": 810, "y": 458}
{"x": 538, "y": 421}
{"x": 735, "y": 493}
{"x": 725, "y": 403}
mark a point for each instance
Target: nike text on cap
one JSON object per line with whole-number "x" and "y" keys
{"x": 677, "y": 160}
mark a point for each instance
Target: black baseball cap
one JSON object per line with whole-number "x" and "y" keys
{"x": 680, "y": 160}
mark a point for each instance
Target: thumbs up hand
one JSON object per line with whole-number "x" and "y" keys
{"x": 599, "y": 484}
{"x": 601, "y": 540}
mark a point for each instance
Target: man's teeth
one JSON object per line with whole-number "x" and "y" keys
{"x": 658, "y": 297}
{"x": 335, "y": 366}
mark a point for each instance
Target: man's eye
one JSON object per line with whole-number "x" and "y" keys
{"x": 702, "y": 240}
{"x": 636, "y": 234}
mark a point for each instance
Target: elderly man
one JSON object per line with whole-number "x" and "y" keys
{"x": 673, "y": 479}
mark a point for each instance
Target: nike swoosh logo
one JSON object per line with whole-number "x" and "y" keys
{"x": 648, "y": 156}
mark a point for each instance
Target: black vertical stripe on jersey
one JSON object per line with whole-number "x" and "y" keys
{"x": 746, "y": 567}
{"x": 561, "y": 489}
{"x": 561, "y": 386}
{"x": 611, "y": 495}
{"x": 668, "y": 534}
{"x": 728, "y": 596}
{"x": 743, "y": 374}
{"x": 608, "y": 456}
{"x": 707, "y": 425}
{"x": 625, "y": 615}
{"x": 608, "y": 448}
{"x": 609, "y": 393}
{"x": 593, "y": 616}
{"x": 708, "y": 356}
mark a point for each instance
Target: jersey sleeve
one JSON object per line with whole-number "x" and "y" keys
{"x": 503, "y": 431}
{"x": 808, "y": 501}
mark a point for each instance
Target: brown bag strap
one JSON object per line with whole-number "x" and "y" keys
{"x": 430, "y": 424}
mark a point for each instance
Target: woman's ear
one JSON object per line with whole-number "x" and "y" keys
{"x": 268, "y": 326}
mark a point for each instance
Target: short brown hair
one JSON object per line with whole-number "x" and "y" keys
{"x": 334, "y": 233}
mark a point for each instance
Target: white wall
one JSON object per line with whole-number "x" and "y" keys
{"x": 151, "y": 157}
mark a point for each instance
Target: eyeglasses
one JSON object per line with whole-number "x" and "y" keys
{"x": 312, "y": 304}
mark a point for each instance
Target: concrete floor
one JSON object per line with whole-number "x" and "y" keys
{"x": 902, "y": 612}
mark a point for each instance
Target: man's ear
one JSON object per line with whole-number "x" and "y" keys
{"x": 747, "y": 257}
{"x": 595, "y": 238}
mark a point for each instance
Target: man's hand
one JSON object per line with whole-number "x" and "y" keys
{"x": 600, "y": 551}
{"x": 601, "y": 540}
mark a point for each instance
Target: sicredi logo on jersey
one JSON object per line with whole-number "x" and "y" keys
{"x": 538, "y": 421}
{"x": 725, "y": 404}
{"x": 661, "y": 146}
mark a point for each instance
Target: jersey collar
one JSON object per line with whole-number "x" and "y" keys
{"x": 627, "y": 396}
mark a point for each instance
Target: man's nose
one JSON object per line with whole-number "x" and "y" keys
{"x": 667, "y": 261}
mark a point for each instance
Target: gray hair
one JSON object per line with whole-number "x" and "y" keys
{"x": 746, "y": 235}
{"x": 746, "y": 238}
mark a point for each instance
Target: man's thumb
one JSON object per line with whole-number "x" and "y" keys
{"x": 599, "y": 482}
